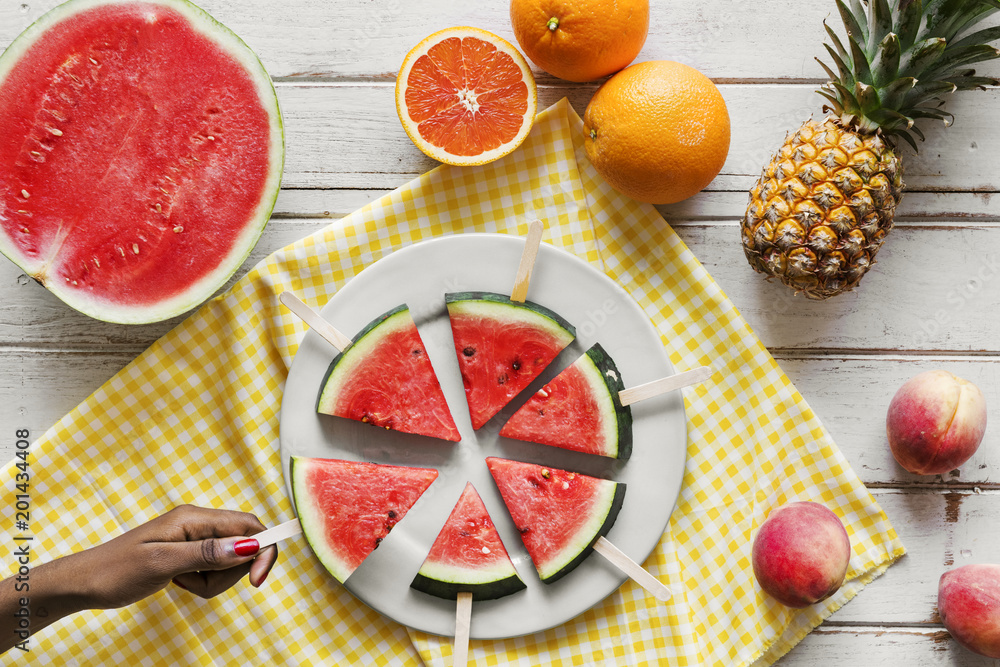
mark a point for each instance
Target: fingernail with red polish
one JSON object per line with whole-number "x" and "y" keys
{"x": 261, "y": 582}
{"x": 246, "y": 547}
{"x": 179, "y": 584}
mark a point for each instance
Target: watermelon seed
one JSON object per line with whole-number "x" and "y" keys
{"x": 565, "y": 485}
{"x": 416, "y": 352}
{"x": 516, "y": 365}
{"x": 546, "y": 473}
{"x": 25, "y": 230}
{"x": 121, "y": 252}
{"x": 486, "y": 550}
{"x": 211, "y": 138}
{"x": 94, "y": 61}
{"x": 159, "y": 209}
{"x": 178, "y": 229}
{"x": 55, "y": 131}
{"x": 24, "y": 193}
{"x": 502, "y": 379}
{"x": 75, "y": 283}
{"x": 135, "y": 248}
{"x": 543, "y": 393}
{"x": 469, "y": 351}
{"x": 391, "y": 514}
{"x": 97, "y": 262}
{"x": 524, "y": 531}
{"x": 27, "y": 213}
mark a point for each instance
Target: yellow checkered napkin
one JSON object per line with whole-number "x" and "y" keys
{"x": 195, "y": 419}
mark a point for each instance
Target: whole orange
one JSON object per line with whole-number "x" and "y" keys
{"x": 580, "y": 40}
{"x": 657, "y": 131}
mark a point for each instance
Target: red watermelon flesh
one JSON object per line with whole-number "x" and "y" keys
{"x": 140, "y": 158}
{"x": 501, "y": 347}
{"x": 385, "y": 378}
{"x": 559, "y": 514}
{"x": 468, "y": 556}
{"x": 347, "y": 508}
{"x": 579, "y": 409}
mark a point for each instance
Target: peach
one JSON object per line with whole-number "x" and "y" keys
{"x": 935, "y": 422}
{"x": 800, "y": 554}
{"x": 969, "y": 604}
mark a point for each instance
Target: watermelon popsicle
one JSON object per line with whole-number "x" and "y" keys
{"x": 467, "y": 562}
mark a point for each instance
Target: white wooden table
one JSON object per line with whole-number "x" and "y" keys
{"x": 932, "y": 301}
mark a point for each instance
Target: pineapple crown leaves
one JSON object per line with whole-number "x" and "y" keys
{"x": 902, "y": 57}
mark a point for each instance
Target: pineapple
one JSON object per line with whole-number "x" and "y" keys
{"x": 823, "y": 206}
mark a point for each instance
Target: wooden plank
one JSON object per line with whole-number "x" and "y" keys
{"x": 941, "y": 531}
{"x": 301, "y": 39}
{"x": 929, "y": 208}
{"x": 851, "y": 395}
{"x": 881, "y": 646}
{"x": 348, "y": 136}
{"x": 934, "y": 288}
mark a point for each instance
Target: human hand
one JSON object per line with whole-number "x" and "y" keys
{"x": 205, "y": 551}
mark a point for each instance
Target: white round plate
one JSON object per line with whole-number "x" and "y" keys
{"x": 419, "y": 276}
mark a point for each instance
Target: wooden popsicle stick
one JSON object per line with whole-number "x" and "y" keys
{"x": 651, "y": 584}
{"x": 663, "y": 385}
{"x": 315, "y": 321}
{"x": 463, "y": 619}
{"x": 275, "y": 534}
{"x": 523, "y": 277}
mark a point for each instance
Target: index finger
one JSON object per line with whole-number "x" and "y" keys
{"x": 190, "y": 522}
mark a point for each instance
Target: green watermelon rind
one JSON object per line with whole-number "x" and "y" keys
{"x": 199, "y": 291}
{"x": 310, "y": 524}
{"x": 388, "y": 322}
{"x": 602, "y": 365}
{"x": 448, "y": 582}
{"x": 487, "y": 303}
{"x": 605, "y": 514}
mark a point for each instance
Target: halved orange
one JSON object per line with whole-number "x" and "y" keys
{"x": 465, "y": 96}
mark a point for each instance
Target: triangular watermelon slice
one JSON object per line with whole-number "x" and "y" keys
{"x": 346, "y": 508}
{"x": 385, "y": 378}
{"x": 579, "y": 410}
{"x": 468, "y": 556}
{"x": 502, "y": 345}
{"x": 559, "y": 514}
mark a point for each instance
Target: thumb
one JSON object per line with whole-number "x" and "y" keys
{"x": 216, "y": 553}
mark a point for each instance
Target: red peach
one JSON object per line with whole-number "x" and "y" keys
{"x": 935, "y": 422}
{"x": 800, "y": 554}
{"x": 969, "y": 604}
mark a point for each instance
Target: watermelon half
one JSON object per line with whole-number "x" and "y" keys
{"x": 468, "y": 556}
{"x": 579, "y": 410}
{"x": 559, "y": 514}
{"x": 386, "y": 379}
{"x": 140, "y": 156}
{"x": 347, "y": 508}
{"x": 502, "y": 345}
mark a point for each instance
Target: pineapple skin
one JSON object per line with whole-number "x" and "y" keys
{"x": 822, "y": 207}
